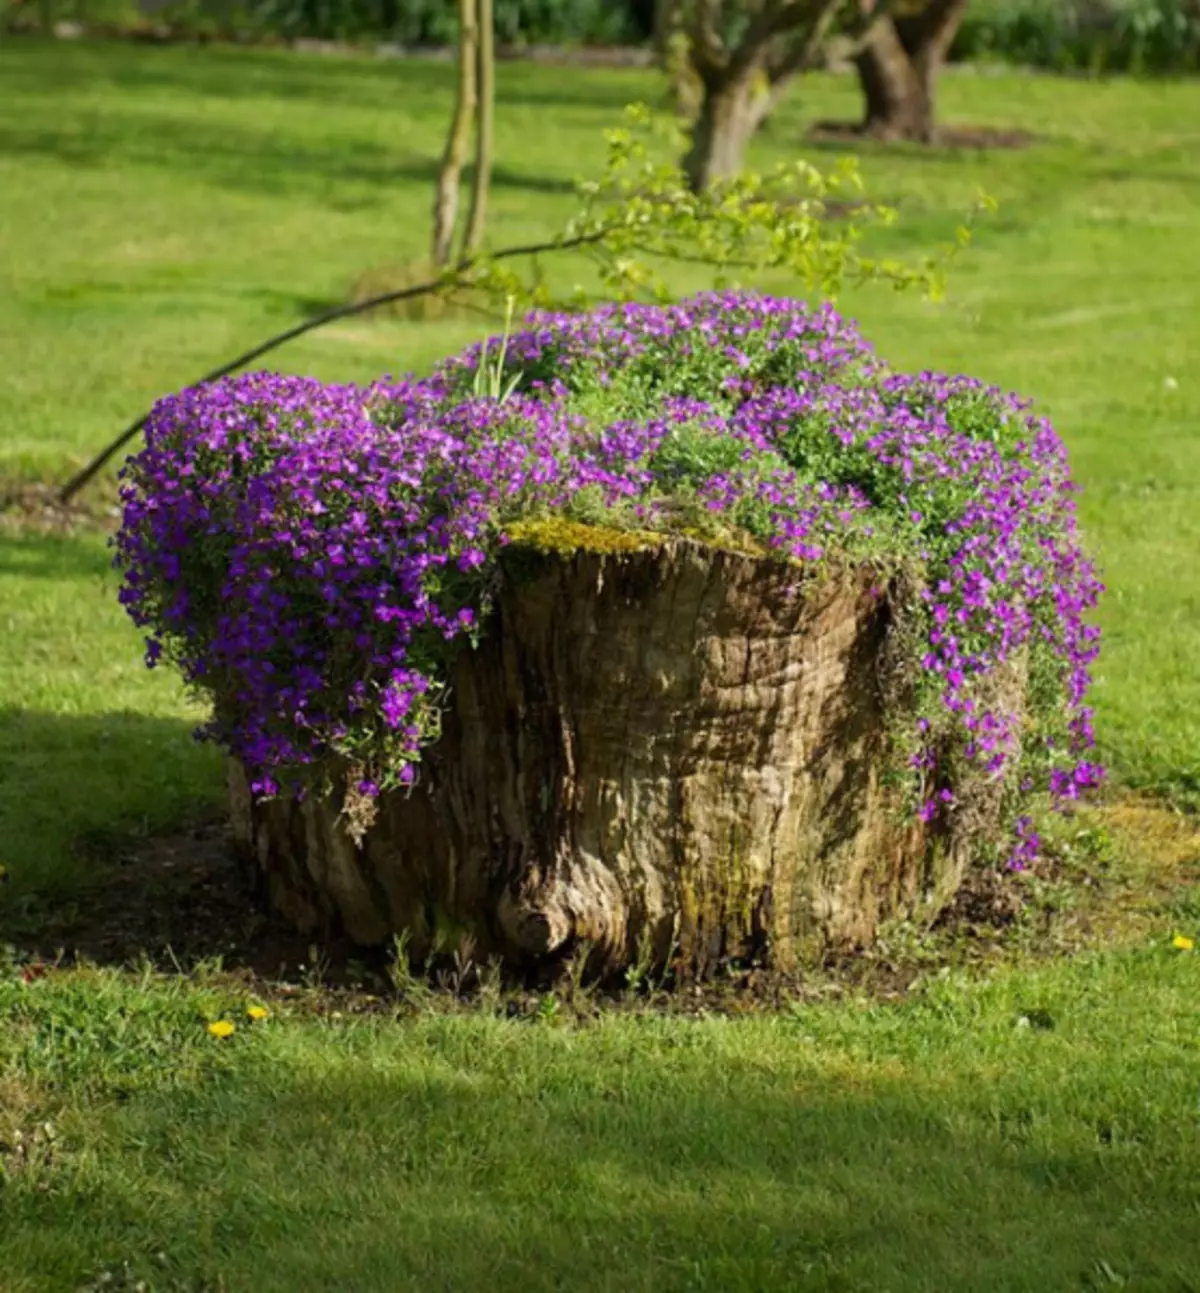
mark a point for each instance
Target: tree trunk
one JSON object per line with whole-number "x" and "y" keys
{"x": 486, "y": 79}
{"x": 898, "y": 69}
{"x": 445, "y": 201}
{"x": 659, "y": 752}
{"x": 730, "y": 112}
{"x": 668, "y": 18}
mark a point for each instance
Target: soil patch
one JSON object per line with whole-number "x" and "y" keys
{"x": 34, "y": 507}
{"x": 981, "y": 138}
{"x": 178, "y": 901}
{"x": 185, "y": 899}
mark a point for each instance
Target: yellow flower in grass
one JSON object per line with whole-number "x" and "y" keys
{"x": 1183, "y": 943}
{"x": 222, "y": 1028}
{"x": 257, "y": 1012}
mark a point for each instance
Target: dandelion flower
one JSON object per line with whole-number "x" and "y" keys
{"x": 257, "y": 1012}
{"x": 1183, "y": 943}
{"x": 222, "y": 1028}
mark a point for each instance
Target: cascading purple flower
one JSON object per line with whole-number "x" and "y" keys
{"x": 312, "y": 554}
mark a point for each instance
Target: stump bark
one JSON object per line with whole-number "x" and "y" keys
{"x": 668, "y": 753}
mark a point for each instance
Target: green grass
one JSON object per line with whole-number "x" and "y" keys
{"x": 940, "y": 1147}
{"x": 163, "y": 209}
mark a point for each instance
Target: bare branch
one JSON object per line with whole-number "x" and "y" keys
{"x": 775, "y": 18}
{"x": 81, "y": 478}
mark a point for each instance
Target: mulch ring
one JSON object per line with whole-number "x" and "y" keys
{"x": 977, "y": 138}
{"x": 185, "y": 900}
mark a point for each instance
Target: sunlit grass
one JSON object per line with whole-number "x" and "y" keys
{"x": 164, "y": 208}
{"x": 949, "y": 1144}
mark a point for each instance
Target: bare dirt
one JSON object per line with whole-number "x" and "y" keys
{"x": 183, "y": 900}
{"x": 178, "y": 901}
{"x": 971, "y": 138}
{"x": 32, "y": 507}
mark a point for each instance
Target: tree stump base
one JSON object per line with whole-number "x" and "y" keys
{"x": 659, "y": 753}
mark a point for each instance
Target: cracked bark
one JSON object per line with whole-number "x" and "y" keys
{"x": 672, "y": 749}
{"x": 898, "y": 67}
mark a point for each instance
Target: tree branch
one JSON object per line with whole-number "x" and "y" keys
{"x": 708, "y": 49}
{"x": 81, "y": 478}
{"x": 929, "y": 32}
{"x": 804, "y": 53}
{"x": 776, "y": 18}
{"x": 860, "y": 28}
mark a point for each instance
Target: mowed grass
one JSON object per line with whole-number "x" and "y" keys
{"x": 942, "y": 1146}
{"x": 163, "y": 209}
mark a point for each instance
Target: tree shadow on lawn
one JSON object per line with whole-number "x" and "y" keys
{"x": 221, "y": 72}
{"x": 951, "y": 143}
{"x": 108, "y": 838}
{"x": 478, "y": 1156}
{"x": 250, "y": 160}
{"x": 55, "y": 556}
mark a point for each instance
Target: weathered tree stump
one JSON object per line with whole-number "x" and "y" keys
{"x": 660, "y": 752}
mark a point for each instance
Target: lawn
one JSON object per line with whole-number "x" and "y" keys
{"x": 938, "y": 1147}
{"x": 166, "y": 207}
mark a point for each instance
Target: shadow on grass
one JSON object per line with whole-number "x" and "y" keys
{"x": 464, "y": 1155}
{"x": 79, "y": 794}
{"x": 53, "y": 556}
{"x": 247, "y": 159}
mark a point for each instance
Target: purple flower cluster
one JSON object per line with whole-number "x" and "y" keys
{"x": 310, "y": 555}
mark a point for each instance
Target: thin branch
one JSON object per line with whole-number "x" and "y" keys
{"x": 485, "y": 85}
{"x": 774, "y": 19}
{"x": 81, "y": 478}
{"x": 770, "y": 20}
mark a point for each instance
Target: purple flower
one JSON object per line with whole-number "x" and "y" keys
{"x": 314, "y": 554}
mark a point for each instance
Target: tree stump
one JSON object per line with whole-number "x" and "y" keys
{"x": 661, "y": 753}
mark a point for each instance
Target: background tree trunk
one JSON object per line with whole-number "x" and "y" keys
{"x": 664, "y": 749}
{"x": 445, "y": 201}
{"x": 486, "y": 84}
{"x": 898, "y": 68}
{"x": 730, "y": 111}
{"x": 742, "y": 80}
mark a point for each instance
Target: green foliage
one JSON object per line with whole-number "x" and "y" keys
{"x": 402, "y": 22}
{"x": 1139, "y": 36}
{"x": 489, "y": 378}
{"x": 641, "y": 219}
